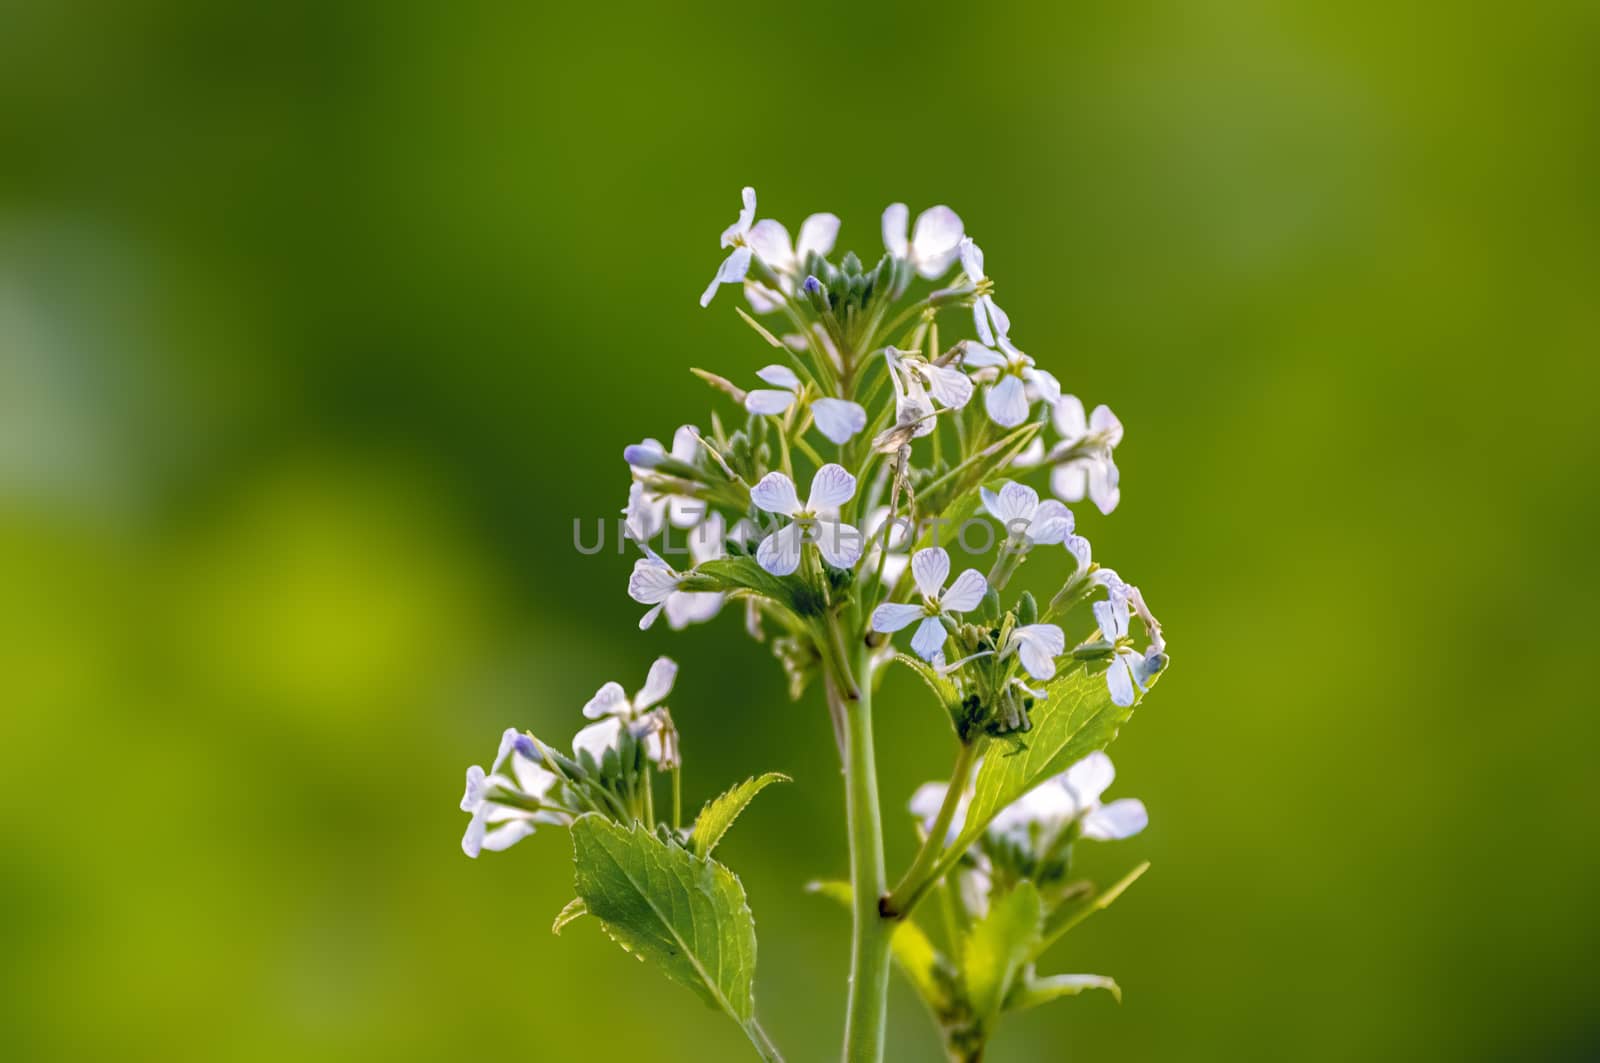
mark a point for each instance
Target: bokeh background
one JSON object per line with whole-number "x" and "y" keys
{"x": 320, "y": 322}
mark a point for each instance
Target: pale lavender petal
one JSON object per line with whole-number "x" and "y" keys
{"x": 776, "y": 494}
{"x": 890, "y": 617}
{"x": 929, "y": 638}
{"x": 966, "y": 593}
{"x": 929, "y": 570}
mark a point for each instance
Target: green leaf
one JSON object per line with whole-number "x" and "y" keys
{"x": 720, "y": 812}
{"x": 574, "y": 910}
{"x": 944, "y": 690}
{"x": 914, "y": 953}
{"x": 659, "y": 902}
{"x": 743, "y": 574}
{"x": 1068, "y": 916}
{"x": 1031, "y": 991}
{"x": 1075, "y": 718}
{"x": 999, "y": 946}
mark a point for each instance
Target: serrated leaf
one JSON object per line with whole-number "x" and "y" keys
{"x": 942, "y": 689}
{"x": 687, "y": 916}
{"x": 999, "y": 946}
{"x": 1031, "y": 992}
{"x": 720, "y": 812}
{"x": 1068, "y": 916}
{"x": 1075, "y": 718}
{"x": 575, "y": 909}
{"x": 914, "y": 952}
{"x": 743, "y": 573}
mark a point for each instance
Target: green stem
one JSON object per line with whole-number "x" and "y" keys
{"x": 762, "y": 1042}
{"x": 869, "y": 963}
{"x": 915, "y": 882}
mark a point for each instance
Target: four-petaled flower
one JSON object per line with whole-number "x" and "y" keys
{"x": 991, "y": 322}
{"x": 831, "y": 487}
{"x": 1073, "y": 797}
{"x": 1037, "y": 646}
{"x": 838, "y": 419}
{"x": 929, "y": 569}
{"x": 646, "y": 509}
{"x": 1017, "y": 507}
{"x": 1129, "y": 668}
{"x": 496, "y": 826}
{"x": 933, "y": 244}
{"x": 1091, "y": 440}
{"x": 614, "y": 710}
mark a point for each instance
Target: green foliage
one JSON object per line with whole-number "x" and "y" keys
{"x": 1075, "y": 718}
{"x": 720, "y": 812}
{"x": 997, "y": 948}
{"x": 658, "y": 901}
{"x": 1032, "y": 991}
{"x": 575, "y": 909}
{"x": 734, "y": 574}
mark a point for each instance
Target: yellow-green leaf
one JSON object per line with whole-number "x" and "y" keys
{"x": 720, "y": 812}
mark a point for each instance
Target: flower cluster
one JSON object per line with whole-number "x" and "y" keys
{"x": 866, "y": 396}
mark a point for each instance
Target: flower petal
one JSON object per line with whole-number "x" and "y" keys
{"x": 1044, "y": 384}
{"x": 838, "y": 419}
{"x": 1112, "y": 616}
{"x": 831, "y": 486}
{"x": 936, "y": 240}
{"x": 1070, "y": 481}
{"x": 658, "y": 684}
{"x": 1119, "y": 819}
{"x": 929, "y": 569}
{"x": 1089, "y": 778}
{"x": 966, "y": 593}
{"x": 895, "y": 219}
{"x": 766, "y": 402}
{"x": 1007, "y": 402}
{"x": 1017, "y": 502}
{"x": 1104, "y": 485}
{"x": 507, "y": 834}
{"x": 888, "y": 617}
{"x": 927, "y": 800}
{"x": 747, "y": 214}
{"x": 840, "y": 543}
{"x": 817, "y": 233}
{"x": 770, "y": 241}
{"x": 779, "y": 376}
{"x": 1119, "y": 680}
{"x": 971, "y": 259}
{"x": 597, "y": 738}
{"x": 732, "y": 271}
{"x": 978, "y": 356}
{"x": 779, "y": 553}
{"x": 651, "y": 581}
{"x": 1104, "y": 422}
{"x": 607, "y": 701}
{"x": 1067, "y": 413}
{"x": 949, "y": 385}
{"x": 1052, "y": 523}
{"x": 776, "y": 494}
{"x": 929, "y": 638}
{"x": 1079, "y": 548}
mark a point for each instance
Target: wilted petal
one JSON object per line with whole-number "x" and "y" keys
{"x": 966, "y": 593}
{"x": 658, "y": 684}
{"x": 840, "y": 543}
{"x": 892, "y": 616}
{"x": 817, "y": 233}
{"x": 775, "y": 493}
{"x": 779, "y": 553}
{"x": 1007, "y": 402}
{"x": 929, "y": 638}
{"x": 1119, "y": 819}
{"x": 607, "y": 701}
{"x": 838, "y": 419}
{"x": 929, "y": 570}
{"x": 831, "y": 486}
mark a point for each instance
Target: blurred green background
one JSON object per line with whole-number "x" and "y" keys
{"x": 320, "y": 322}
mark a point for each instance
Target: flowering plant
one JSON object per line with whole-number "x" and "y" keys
{"x": 903, "y": 467}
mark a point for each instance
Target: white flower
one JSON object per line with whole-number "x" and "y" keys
{"x": 1017, "y": 507}
{"x": 929, "y": 798}
{"x": 1079, "y": 548}
{"x": 613, "y": 709}
{"x": 737, "y": 264}
{"x": 929, "y": 569}
{"x": 838, "y": 419}
{"x": 770, "y": 241}
{"x": 495, "y": 826}
{"x": 1073, "y": 797}
{"x": 988, "y": 319}
{"x": 651, "y": 583}
{"x": 1037, "y": 646}
{"x": 646, "y": 508}
{"x": 1016, "y": 383}
{"x": 831, "y": 487}
{"x": 1092, "y": 472}
{"x": 706, "y": 543}
{"x": 1129, "y": 668}
{"x": 933, "y": 244}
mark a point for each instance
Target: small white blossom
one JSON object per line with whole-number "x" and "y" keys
{"x": 838, "y": 419}
{"x": 1037, "y": 646}
{"x": 614, "y": 710}
{"x": 706, "y": 543}
{"x": 1073, "y": 797}
{"x": 929, "y": 798}
{"x": 1017, "y": 507}
{"x": 770, "y": 241}
{"x": 496, "y": 826}
{"x": 930, "y": 569}
{"x": 1014, "y": 384}
{"x": 646, "y": 509}
{"x": 933, "y": 244}
{"x": 831, "y": 487}
{"x": 1129, "y": 668}
{"x": 990, "y": 322}
{"x": 1093, "y": 473}
{"x": 737, "y": 264}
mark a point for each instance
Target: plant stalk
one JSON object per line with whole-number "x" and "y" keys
{"x": 869, "y": 960}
